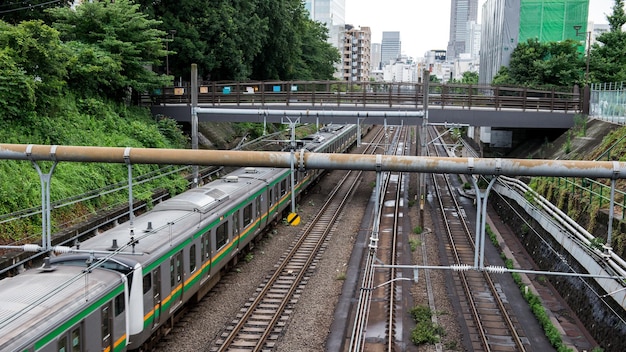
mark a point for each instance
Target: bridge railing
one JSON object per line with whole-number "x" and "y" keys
{"x": 372, "y": 94}
{"x": 608, "y": 102}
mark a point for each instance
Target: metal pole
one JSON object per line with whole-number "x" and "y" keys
{"x": 421, "y": 182}
{"x": 131, "y": 214}
{"x": 608, "y": 246}
{"x": 483, "y": 221}
{"x": 46, "y": 222}
{"x": 588, "y": 48}
{"x": 194, "y": 119}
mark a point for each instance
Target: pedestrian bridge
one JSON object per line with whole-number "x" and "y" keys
{"x": 370, "y": 103}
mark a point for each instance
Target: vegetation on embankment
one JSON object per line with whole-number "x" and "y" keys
{"x": 586, "y": 200}
{"x": 81, "y": 122}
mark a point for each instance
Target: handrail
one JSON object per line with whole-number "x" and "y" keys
{"x": 339, "y": 93}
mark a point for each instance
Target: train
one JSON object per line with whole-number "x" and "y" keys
{"x": 120, "y": 290}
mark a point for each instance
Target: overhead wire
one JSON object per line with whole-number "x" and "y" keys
{"x": 31, "y": 6}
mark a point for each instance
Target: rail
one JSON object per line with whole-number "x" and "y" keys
{"x": 368, "y": 94}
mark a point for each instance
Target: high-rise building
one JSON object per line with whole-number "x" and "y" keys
{"x": 375, "y": 57}
{"x": 332, "y": 13}
{"x": 356, "y": 54}
{"x": 461, "y": 12}
{"x": 390, "y": 48}
{"x": 509, "y": 22}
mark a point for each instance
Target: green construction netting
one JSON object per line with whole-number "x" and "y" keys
{"x": 553, "y": 20}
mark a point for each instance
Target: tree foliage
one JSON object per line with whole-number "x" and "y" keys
{"x": 607, "y": 61}
{"x": 16, "y": 11}
{"x": 34, "y": 56}
{"x": 535, "y": 64}
{"x": 244, "y": 39}
{"x": 468, "y": 77}
{"x": 122, "y": 32}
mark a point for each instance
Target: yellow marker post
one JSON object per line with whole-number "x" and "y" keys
{"x": 293, "y": 219}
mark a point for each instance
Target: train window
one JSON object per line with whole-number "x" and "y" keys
{"x": 258, "y": 206}
{"x": 147, "y": 283}
{"x": 62, "y": 344}
{"x": 271, "y": 197}
{"x": 283, "y": 187}
{"x": 176, "y": 270}
{"x": 76, "y": 340}
{"x": 247, "y": 215}
{"x": 221, "y": 235}
{"x": 192, "y": 258}
{"x": 119, "y": 304}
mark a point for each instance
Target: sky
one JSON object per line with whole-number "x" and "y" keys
{"x": 425, "y": 24}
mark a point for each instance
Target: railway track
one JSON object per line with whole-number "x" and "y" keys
{"x": 261, "y": 321}
{"x": 375, "y": 324}
{"x": 491, "y": 327}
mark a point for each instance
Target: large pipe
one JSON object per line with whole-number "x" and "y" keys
{"x": 296, "y": 113}
{"x": 479, "y": 166}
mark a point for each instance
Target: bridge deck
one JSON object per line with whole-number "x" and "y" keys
{"x": 454, "y": 104}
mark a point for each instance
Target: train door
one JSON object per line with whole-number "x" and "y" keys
{"x": 205, "y": 252}
{"x": 270, "y": 203}
{"x": 176, "y": 279}
{"x": 106, "y": 322}
{"x": 156, "y": 296}
{"x": 258, "y": 209}
{"x": 236, "y": 228}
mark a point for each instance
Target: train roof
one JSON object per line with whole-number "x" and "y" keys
{"x": 36, "y": 300}
{"x": 178, "y": 217}
{"x": 326, "y": 133}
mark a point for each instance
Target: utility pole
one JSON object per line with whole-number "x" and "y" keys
{"x": 421, "y": 180}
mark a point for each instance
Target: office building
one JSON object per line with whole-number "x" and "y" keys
{"x": 375, "y": 57}
{"x": 461, "y": 12}
{"x": 509, "y": 22}
{"x": 332, "y": 13}
{"x": 390, "y": 48}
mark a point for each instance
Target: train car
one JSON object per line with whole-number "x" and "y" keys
{"x": 65, "y": 308}
{"x": 177, "y": 251}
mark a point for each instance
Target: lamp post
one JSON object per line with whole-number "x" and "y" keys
{"x": 167, "y": 49}
{"x": 588, "y": 39}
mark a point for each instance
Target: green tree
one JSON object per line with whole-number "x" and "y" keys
{"x": 537, "y": 64}
{"x": 282, "y": 49}
{"x": 17, "y": 89}
{"x": 317, "y": 57}
{"x": 125, "y": 33}
{"x": 469, "y": 77}
{"x": 607, "y": 61}
{"x": 36, "y": 50}
{"x": 14, "y": 12}
{"x": 503, "y": 77}
{"x": 222, "y": 37}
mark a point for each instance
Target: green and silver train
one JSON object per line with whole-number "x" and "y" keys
{"x": 123, "y": 294}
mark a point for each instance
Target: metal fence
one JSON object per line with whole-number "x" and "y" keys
{"x": 608, "y": 102}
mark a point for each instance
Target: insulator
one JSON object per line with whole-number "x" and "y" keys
{"x": 32, "y": 248}
{"x": 496, "y": 269}
{"x": 460, "y": 267}
{"x": 62, "y": 249}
